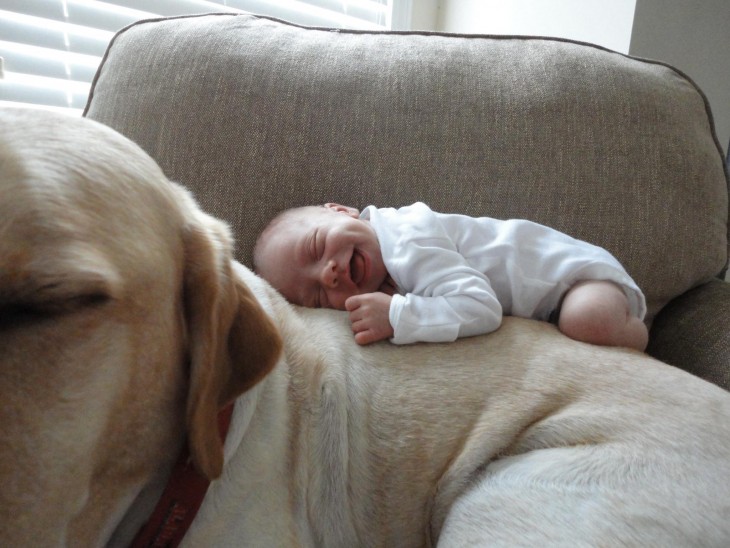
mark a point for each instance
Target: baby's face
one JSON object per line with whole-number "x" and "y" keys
{"x": 321, "y": 259}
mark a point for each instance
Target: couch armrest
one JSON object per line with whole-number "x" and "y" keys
{"x": 693, "y": 332}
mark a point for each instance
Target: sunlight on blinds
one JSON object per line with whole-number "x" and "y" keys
{"x": 50, "y": 49}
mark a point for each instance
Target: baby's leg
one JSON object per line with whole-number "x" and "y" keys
{"x": 598, "y": 312}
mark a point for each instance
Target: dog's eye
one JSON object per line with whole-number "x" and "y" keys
{"x": 66, "y": 285}
{"x": 19, "y": 312}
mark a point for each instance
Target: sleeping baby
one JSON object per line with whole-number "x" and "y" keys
{"x": 412, "y": 274}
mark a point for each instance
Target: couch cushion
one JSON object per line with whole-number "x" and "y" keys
{"x": 256, "y": 115}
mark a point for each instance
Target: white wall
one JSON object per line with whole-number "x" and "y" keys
{"x": 607, "y": 23}
{"x": 424, "y": 14}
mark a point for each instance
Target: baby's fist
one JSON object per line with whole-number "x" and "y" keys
{"x": 369, "y": 316}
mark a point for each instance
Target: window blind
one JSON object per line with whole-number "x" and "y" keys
{"x": 50, "y": 49}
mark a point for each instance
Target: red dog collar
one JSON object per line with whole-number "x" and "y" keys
{"x": 180, "y": 500}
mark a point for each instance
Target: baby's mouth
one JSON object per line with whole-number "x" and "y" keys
{"x": 357, "y": 267}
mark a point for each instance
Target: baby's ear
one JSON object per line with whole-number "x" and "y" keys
{"x": 351, "y": 211}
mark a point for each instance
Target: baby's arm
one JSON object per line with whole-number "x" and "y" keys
{"x": 456, "y": 316}
{"x": 444, "y": 318}
{"x": 369, "y": 315}
{"x": 461, "y": 303}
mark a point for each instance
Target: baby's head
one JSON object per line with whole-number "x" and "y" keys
{"x": 319, "y": 256}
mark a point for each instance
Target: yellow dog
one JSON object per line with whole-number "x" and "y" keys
{"x": 125, "y": 326}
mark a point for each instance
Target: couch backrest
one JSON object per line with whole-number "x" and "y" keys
{"x": 256, "y": 115}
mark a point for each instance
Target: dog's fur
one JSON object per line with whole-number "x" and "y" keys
{"x": 124, "y": 325}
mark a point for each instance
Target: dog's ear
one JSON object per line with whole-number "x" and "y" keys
{"x": 232, "y": 342}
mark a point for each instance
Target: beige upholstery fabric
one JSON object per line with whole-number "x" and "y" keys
{"x": 686, "y": 335}
{"x": 255, "y": 115}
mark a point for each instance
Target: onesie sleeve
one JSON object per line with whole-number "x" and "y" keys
{"x": 442, "y": 318}
{"x": 445, "y": 297}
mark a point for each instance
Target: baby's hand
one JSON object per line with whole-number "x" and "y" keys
{"x": 369, "y": 317}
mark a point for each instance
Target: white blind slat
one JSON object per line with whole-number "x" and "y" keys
{"x": 42, "y": 90}
{"x": 53, "y": 63}
{"x": 36, "y": 31}
{"x": 51, "y": 48}
{"x": 86, "y": 13}
{"x": 327, "y": 13}
{"x": 63, "y": 110}
{"x": 181, "y": 7}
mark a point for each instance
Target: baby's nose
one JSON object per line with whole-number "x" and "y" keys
{"x": 330, "y": 275}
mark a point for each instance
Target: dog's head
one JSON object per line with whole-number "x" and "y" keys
{"x": 122, "y": 328}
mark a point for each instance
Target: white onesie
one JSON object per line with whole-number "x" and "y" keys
{"x": 458, "y": 275}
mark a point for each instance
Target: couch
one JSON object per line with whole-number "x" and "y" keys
{"x": 255, "y": 115}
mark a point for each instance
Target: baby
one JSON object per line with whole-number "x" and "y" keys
{"x": 412, "y": 274}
